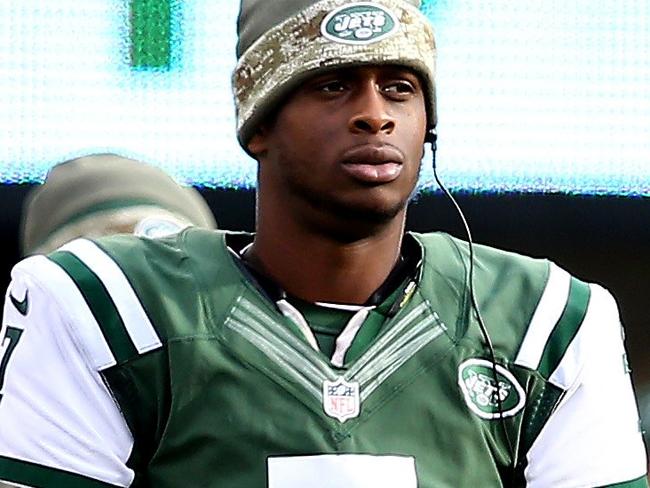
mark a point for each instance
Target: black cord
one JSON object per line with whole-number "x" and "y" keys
{"x": 432, "y": 139}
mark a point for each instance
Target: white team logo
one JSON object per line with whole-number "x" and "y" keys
{"x": 483, "y": 395}
{"x": 359, "y": 23}
{"x": 341, "y": 399}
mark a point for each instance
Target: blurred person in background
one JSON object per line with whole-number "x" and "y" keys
{"x": 105, "y": 194}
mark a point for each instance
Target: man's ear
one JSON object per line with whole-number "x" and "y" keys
{"x": 257, "y": 144}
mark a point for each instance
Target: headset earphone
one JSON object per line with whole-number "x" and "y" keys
{"x": 432, "y": 138}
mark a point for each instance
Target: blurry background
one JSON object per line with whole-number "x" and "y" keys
{"x": 544, "y": 112}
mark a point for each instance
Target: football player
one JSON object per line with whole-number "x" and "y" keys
{"x": 330, "y": 348}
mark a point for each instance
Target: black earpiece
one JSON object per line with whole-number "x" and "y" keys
{"x": 431, "y": 136}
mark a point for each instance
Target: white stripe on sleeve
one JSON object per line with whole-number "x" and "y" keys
{"x": 546, "y": 315}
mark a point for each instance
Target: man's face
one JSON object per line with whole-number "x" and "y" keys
{"x": 347, "y": 143}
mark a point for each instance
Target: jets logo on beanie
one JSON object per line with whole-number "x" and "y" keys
{"x": 284, "y": 42}
{"x": 360, "y": 23}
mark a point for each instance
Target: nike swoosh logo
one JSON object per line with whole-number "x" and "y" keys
{"x": 21, "y": 305}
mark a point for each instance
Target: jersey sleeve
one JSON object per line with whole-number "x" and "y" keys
{"x": 59, "y": 424}
{"x": 593, "y": 437}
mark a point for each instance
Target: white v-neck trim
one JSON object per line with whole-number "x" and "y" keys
{"x": 346, "y": 337}
{"x": 341, "y": 306}
{"x": 293, "y": 314}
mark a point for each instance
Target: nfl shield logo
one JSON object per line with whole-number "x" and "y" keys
{"x": 341, "y": 399}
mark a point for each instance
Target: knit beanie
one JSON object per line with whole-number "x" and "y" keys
{"x": 284, "y": 42}
{"x": 90, "y": 188}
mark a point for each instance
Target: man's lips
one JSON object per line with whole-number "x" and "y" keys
{"x": 371, "y": 163}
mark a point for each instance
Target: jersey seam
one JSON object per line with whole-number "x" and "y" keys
{"x": 531, "y": 314}
{"x": 564, "y": 397}
{"x": 464, "y": 306}
{"x": 201, "y": 285}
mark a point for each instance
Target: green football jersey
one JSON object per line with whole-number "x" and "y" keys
{"x": 171, "y": 368}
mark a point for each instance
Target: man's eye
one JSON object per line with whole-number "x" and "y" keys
{"x": 331, "y": 87}
{"x": 399, "y": 88}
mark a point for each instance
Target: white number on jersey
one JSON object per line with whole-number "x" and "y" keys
{"x": 342, "y": 471}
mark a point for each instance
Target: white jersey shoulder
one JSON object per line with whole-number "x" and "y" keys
{"x": 593, "y": 437}
{"x": 57, "y": 418}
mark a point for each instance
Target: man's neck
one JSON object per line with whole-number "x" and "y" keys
{"x": 314, "y": 268}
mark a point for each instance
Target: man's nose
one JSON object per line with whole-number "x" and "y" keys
{"x": 371, "y": 112}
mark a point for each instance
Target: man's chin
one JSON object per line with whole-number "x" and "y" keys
{"x": 373, "y": 215}
{"x": 355, "y": 213}
{"x": 348, "y": 221}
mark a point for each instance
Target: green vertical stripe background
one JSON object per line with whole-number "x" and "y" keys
{"x": 151, "y": 33}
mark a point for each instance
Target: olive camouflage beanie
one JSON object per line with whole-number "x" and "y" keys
{"x": 283, "y": 42}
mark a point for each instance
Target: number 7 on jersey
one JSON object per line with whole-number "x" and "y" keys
{"x": 8, "y": 342}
